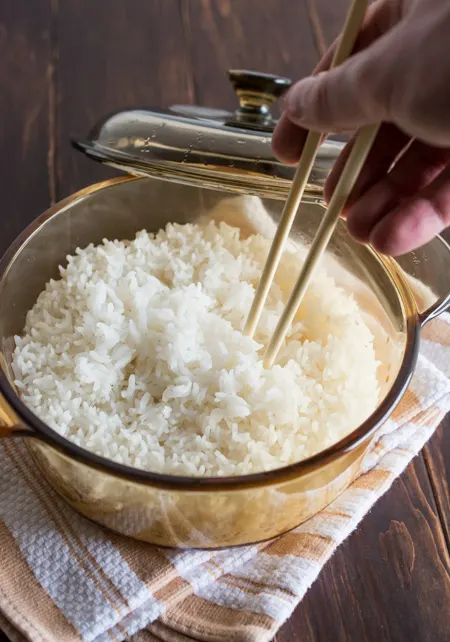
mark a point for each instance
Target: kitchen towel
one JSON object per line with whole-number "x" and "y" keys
{"x": 64, "y": 579}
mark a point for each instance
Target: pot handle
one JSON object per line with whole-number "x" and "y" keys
{"x": 10, "y": 425}
{"x": 440, "y": 306}
{"x": 427, "y": 272}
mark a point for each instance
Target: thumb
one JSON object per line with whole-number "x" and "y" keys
{"x": 344, "y": 98}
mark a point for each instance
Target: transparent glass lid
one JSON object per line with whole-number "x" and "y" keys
{"x": 211, "y": 147}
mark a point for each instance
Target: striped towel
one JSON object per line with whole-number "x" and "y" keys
{"x": 63, "y": 579}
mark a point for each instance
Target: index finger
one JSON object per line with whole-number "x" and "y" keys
{"x": 288, "y": 139}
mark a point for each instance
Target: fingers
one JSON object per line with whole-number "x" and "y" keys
{"x": 380, "y": 17}
{"x": 358, "y": 91}
{"x": 344, "y": 98}
{"x": 417, "y": 221}
{"x": 289, "y": 137}
{"x": 387, "y": 146}
{"x": 288, "y": 140}
{"x": 416, "y": 168}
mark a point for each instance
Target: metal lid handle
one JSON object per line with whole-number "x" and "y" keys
{"x": 256, "y": 92}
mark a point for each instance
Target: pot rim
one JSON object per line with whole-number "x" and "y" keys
{"x": 363, "y": 432}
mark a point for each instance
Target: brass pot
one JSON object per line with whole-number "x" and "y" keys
{"x": 199, "y": 512}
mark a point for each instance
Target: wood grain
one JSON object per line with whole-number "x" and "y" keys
{"x": 437, "y": 459}
{"x": 25, "y": 70}
{"x": 316, "y": 27}
{"x": 272, "y": 36}
{"x": 390, "y": 581}
{"x": 113, "y": 55}
{"x": 331, "y": 17}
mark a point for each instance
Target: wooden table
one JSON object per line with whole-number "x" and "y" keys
{"x": 64, "y": 64}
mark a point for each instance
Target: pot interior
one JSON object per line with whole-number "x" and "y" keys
{"x": 120, "y": 208}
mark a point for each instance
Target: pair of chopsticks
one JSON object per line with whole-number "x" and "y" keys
{"x": 353, "y": 166}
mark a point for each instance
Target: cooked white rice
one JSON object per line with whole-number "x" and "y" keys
{"x": 137, "y": 354}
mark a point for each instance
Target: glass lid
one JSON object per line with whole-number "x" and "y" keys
{"x": 211, "y": 147}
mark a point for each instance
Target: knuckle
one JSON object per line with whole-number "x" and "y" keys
{"x": 322, "y": 101}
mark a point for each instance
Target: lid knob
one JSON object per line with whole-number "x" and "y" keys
{"x": 256, "y": 92}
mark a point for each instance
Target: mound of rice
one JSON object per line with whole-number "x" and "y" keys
{"x": 137, "y": 354}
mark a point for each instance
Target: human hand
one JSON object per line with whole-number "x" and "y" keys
{"x": 399, "y": 75}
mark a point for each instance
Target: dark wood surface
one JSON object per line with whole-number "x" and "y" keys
{"x": 65, "y": 63}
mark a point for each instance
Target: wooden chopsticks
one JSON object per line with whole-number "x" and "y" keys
{"x": 343, "y": 50}
{"x": 327, "y": 226}
{"x": 347, "y": 180}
